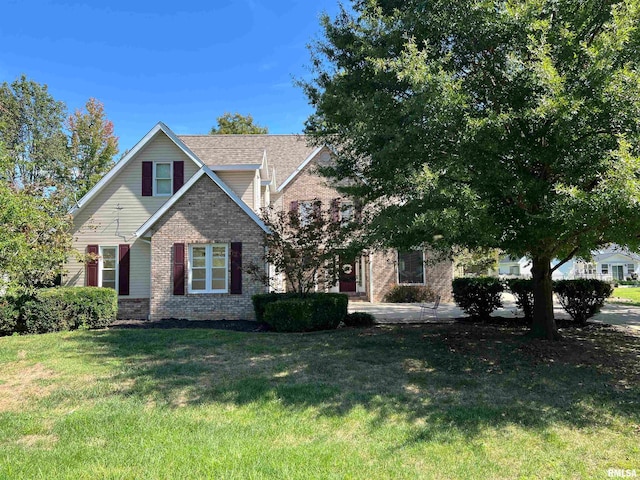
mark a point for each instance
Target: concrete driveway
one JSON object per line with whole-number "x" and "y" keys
{"x": 612, "y": 313}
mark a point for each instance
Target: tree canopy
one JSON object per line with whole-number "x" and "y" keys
{"x": 486, "y": 124}
{"x": 235, "y": 123}
{"x": 92, "y": 146}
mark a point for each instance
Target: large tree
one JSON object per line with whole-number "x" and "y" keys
{"x": 34, "y": 235}
{"x": 235, "y": 123}
{"x": 92, "y": 146}
{"x": 496, "y": 124}
{"x": 32, "y": 129}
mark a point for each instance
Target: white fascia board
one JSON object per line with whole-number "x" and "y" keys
{"x": 299, "y": 169}
{"x": 266, "y": 183}
{"x": 235, "y": 166}
{"x": 104, "y": 181}
{"x": 204, "y": 170}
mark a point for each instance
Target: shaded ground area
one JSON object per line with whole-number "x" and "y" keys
{"x": 234, "y": 325}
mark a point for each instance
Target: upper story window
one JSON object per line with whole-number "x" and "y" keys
{"x": 162, "y": 179}
{"x": 411, "y": 267}
{"x": 108, "y": 267}
{"x": 208, "y": 267}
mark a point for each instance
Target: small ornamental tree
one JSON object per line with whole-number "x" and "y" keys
{"x": 303, "y": 246}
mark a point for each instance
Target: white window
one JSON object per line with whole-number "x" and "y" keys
{"x": 514, "y": 270}
{"x": 162, "y": 179}
{"x": 305, "y": 210}
{"x": 411, "y": 267}
{"x": 631, "y": 269}
{"x": 208, "y": 268}
{"x": 108, "y": 267}
{"x": 346, "y": 214}
{"x": 605, "y": 268}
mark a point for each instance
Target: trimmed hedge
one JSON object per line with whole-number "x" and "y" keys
{"x": 359, "y": 319}
{"x": 582, "y": 298}
{"x": 317, "y": 311}
{"x": 9, "y": 314}
{"x": 478, "y": 296}
{"x": 261, "y": 300}
{"x": 522, "y": 289}
{"x": 69, "y": 308}
{"x": 410, "y": 294}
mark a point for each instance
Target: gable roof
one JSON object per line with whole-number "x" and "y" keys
{"x": 104, "y": 181}
{"x": 284, "y": 153}
{"x": 185, "y": 188}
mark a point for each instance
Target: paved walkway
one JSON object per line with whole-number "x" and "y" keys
{"x": 612, "y": 313}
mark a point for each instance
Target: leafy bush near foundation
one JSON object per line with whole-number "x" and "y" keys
{"x": 410, "y": 294}
{"x": 317, "y": 311}
{"x": 68, "y": 308}
{"x": 478, "y": 296}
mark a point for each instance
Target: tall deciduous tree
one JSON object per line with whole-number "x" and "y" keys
{"x": 92, "y": 146}
{"x": 34, "y": 236}
{"x": 235, "y": 123}
{"x": 33, "y": 132}
{"x": 499, "y": 124}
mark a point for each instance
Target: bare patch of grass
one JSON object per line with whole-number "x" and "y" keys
{"x": 22, "y": 383}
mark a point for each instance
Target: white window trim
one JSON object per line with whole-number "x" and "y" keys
{"x": 100, "y": 265}
{"x": 209, "y": 266}
{"x": 424, "y": 269}
{"x": 155, "y": 179}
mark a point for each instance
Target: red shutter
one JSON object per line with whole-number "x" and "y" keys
{"x": 147, "y": 179}
{"x": 335, "y": 210}
{"x": 91, "y": 267}
{"x": 178, "y": 268}
{"x": 123, "y": 269}
{"x": 293, "y": 206}
{"x": 178, "y": 175}
{"x": 236, "y": 268}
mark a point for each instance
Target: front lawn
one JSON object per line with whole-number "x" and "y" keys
{"x": 629, "y": 295}
{"x": 436, "y": 401}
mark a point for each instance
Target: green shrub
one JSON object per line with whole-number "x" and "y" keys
{"x": 317, "y": 311}
{"x": 68, "y": 308}
{"x": 522, "y": 289}
{"x": 410, "y": 294}
{"x": 9, "y": 314}
{"x": 478, "y": 296}
{"x": 359, "y": 319}
{"x": 582, "y": 298}
{"x": 261, "y": 300}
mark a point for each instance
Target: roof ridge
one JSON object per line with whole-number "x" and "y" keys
{"x": 253, "y": 135}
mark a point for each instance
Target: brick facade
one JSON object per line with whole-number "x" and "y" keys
{"x": 308, "y": 185}
{"x": 133, "y": 308}
{"x": 205, "y": 214}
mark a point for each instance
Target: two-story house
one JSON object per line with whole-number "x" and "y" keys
{"x": 174, "y": 221}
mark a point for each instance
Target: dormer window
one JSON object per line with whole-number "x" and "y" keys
{"x": 162, "y": 179}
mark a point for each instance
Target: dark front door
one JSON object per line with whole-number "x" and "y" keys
{"x": 347, "y": 275}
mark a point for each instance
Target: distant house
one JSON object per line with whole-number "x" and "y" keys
{"x": 172, "y": 224}
{"x": 612, "y": 263}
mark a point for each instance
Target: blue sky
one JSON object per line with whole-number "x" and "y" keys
{"x": 184, "y": 63}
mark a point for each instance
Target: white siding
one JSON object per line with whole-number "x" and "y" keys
{"x": 114, "y": 214}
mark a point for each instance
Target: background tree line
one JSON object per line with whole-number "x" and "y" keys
{"x": 48, "y": 160}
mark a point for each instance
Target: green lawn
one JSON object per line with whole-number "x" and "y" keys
{"x": 631, "y": 294}
{"x": 439, "y": 401}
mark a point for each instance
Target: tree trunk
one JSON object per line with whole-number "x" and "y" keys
{"x": 544, "y": 324}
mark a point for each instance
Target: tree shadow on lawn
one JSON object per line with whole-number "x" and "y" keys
{"x": 446, "y": 379}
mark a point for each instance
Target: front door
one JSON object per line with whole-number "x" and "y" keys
{"x": 618, "y": 272}
{"x": 347, "y": 275}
